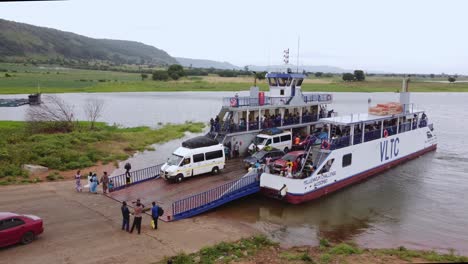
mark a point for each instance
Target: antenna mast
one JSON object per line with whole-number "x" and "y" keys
{"x": 297, "y": 64}
{"x": 286, "y": 57}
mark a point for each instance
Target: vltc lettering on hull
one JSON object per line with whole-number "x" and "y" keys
{"x": 389, "y": 149}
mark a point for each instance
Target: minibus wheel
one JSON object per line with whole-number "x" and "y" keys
{"x": 179, "y": 178}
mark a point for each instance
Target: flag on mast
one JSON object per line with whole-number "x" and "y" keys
{"x": 286, "y": 56}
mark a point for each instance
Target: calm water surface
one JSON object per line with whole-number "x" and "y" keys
{"x": 420, "y": 204}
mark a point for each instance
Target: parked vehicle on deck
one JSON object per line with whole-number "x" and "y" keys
{"x": 261, "y": 156}
{"x": 311, "y": 140}
{"x": 198, "y": 155}
{"x": 282, "y": 141}
{"x": 280, "y": 164}
{"x": 16, "y": 228}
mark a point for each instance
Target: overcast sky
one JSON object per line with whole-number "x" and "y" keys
{"x": 396, "y": 36}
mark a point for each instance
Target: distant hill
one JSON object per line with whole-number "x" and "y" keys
{"x": 20, "y": 42}
{"x": 206, "y": 64}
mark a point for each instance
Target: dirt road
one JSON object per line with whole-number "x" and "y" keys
{"x": 85, "y": 228}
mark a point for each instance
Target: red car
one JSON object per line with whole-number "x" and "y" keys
{"x": 280, "y": 164}
{"x": 15, "y": 228}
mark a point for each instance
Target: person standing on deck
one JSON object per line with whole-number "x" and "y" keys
{"x": 267, "y": 164}
{"x": 128, "y": 177}
{"x": 105, "y": 182}
{"x": 211, "y": 125}
{"x": 236, "y": 150}
{"x": 155, "y": 214}
{"x": 125, "y": 216}
{"x": 78, "y": 181}
{"x": 137, "y": 212}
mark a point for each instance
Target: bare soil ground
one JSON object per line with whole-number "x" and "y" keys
{"x": 85, "y": 228}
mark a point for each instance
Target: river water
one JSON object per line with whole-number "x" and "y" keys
{"x": 420, "y": 204}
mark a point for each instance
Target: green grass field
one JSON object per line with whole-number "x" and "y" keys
{"x": 81, "y": 148}
{"x": 26, "y": 79}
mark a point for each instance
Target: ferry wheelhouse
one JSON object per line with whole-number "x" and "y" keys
{"x": 358, "y": 146}
{"x": 285, "y": 106}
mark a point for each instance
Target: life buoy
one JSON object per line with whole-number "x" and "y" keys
{"x": 329, "y": 97}
{"x": 234, "y": 102}
{"x": 385, "y": 133}
{"x": 325, "y": 145}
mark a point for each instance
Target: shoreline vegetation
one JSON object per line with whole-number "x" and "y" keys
{"x": 81, "y": 148}
{"x": 259, "y": 249}
{"x": 28, "y": 78}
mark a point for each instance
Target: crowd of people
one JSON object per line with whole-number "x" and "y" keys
{"x": 267, "y": 121}
{"x": 93, "y": 182}
{"x": 138, "y": 208}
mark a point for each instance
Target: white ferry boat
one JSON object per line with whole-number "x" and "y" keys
{"x": 359, "y": 146}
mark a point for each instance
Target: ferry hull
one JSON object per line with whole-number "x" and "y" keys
{"x": 317, "y": 193}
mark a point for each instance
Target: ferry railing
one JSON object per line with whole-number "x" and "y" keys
{"x": 404, "y": 127}
{"x": 205, "y": 198}
{"x": 372, "y": 135}
{"x": 341, "y": 142}
{"x": 136, "y": 176}
{"x": 242, "y": 101}
{"x": 391, "y": 130}
{"x": 309, "y": 118}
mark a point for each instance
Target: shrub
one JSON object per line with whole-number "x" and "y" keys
{"x": 160, "y": 76}
{"x": 347, "y": 77}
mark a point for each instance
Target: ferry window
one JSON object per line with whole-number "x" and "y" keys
{"x": 198, "y": 157}
{"x": 272, "y": 81}
{"x": 285, "y": 138}
{"x": 288, "y": 82}
{"x": 347, "y": 159}
{"x": 282, "y": 81}
{"x": 299, "y": 82}
{"x": 282, "y": 92}
{"x": 327, "y": 166}
{"x": 276, "y": 140}
{"x": 214, "y": 154}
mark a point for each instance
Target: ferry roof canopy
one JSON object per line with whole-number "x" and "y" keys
{"x": 286, "y": 75}
{"x": 347, "y": 120}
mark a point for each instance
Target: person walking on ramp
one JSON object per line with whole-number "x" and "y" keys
{"x": 127, "y": 168}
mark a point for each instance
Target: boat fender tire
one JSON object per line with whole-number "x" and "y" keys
{"x": 283, "y": 191}
{"x": 385, "y": 133}
{"x": 325, "y": 145}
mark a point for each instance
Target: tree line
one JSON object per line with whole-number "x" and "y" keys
{"x": 176, "y": 71}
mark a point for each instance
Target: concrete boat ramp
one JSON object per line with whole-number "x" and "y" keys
{"x": 193, "y": 196}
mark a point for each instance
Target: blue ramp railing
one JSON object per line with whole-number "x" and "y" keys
{"x": 202, "y": 202}
{"x": 137, "y": 176}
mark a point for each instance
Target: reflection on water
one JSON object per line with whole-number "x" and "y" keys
{"x": 420, "y": 204}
